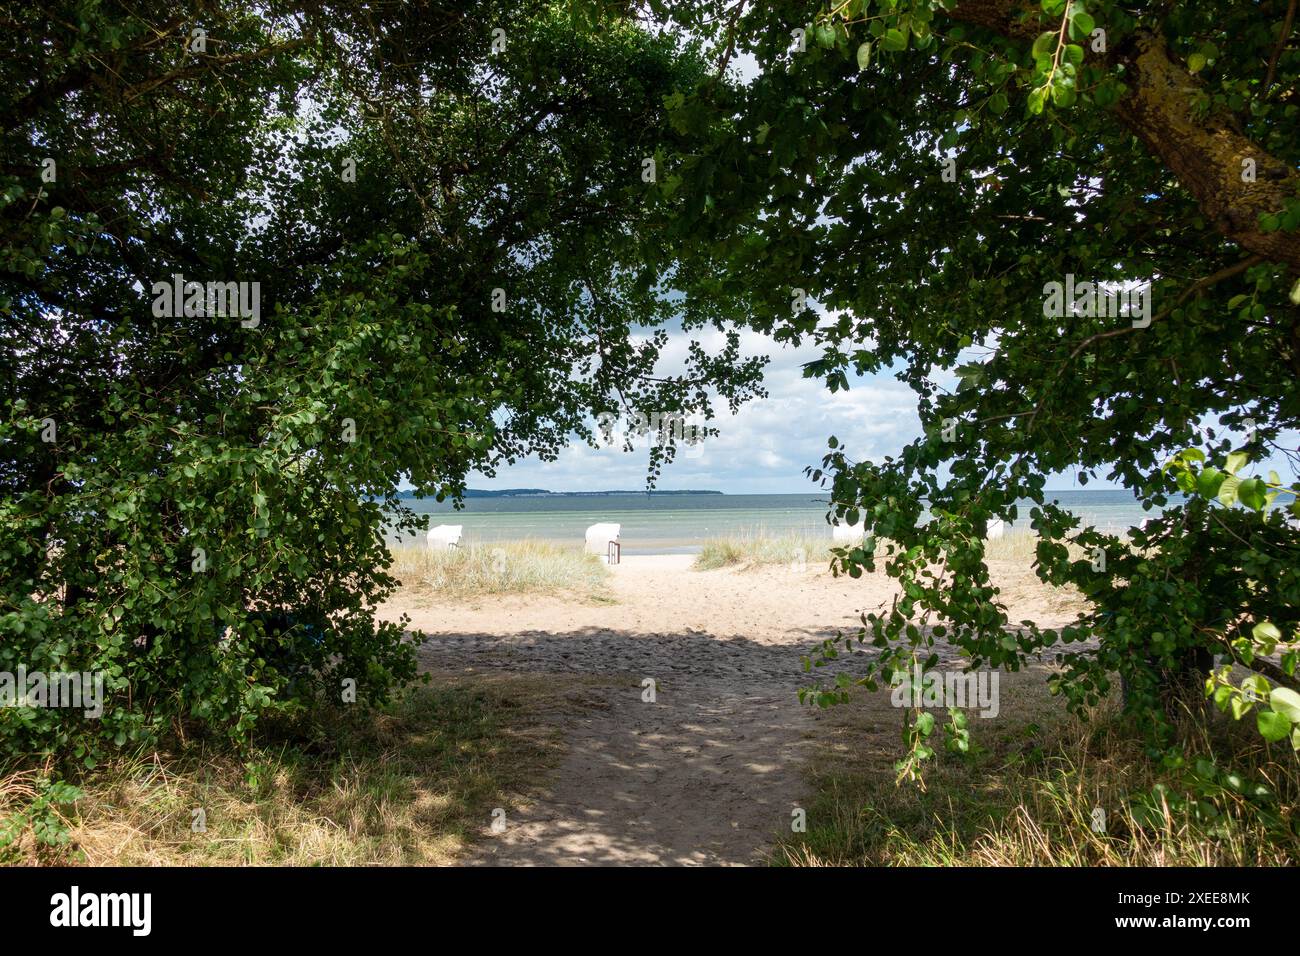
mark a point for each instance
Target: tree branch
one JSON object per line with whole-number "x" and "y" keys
{"x": 1204, "y": 283}
{"x": 1206, "y": 153}
{"x": 1281, "y": 45}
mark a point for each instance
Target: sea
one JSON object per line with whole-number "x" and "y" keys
{"x": 679, "y": 524}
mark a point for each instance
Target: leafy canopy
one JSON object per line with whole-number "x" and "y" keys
{"x": 196, "y": 502}
{"x": 926, "y": 170}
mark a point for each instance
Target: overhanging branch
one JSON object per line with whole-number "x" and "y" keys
{"x": 1205, "y": 152}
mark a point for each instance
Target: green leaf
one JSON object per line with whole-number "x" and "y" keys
{"x": 894, "y": 40}
{"x": 1266, "y": 632}
{"x": 1208, "y": 482}
{"x": 1236, "y": 461}
{"x": 1253, "y": 494}
{"x": 1256, "y": 685}
{"x": 1272, "y": 725}
{"x": 1228, "y": 490}
{"x": 1286, "y": 702}
{"x": 1063, "y": 93}
{"x": 1045, "y": 45}
{"x": 1196, "y": 63}
{"x": 864, "y": 59}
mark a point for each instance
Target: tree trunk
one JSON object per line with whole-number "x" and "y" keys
{"x": 1205, "y": 152}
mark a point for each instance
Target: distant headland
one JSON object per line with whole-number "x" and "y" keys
{"x": 544, "y": 493}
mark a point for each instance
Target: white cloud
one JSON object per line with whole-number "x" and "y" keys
{"x": 764, "y": 448}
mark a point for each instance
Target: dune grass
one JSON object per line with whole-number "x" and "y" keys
{"x": 1014, "y": 546}
{"x": 410, "y": 785}
{"x": 1029, "y": 798}
{"x": 759, "y": 549}
{"x": 513, "y": 567}
{"x": 755, "y": 550}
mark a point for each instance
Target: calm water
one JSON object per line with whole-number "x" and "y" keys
{"x": 678, "y": 525}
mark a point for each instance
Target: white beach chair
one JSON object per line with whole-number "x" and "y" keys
{"x": 602, "y": 538}
{"x": 444, "y": 537}
{"x": 848, "y": 533}
{"x": 997, "y": 528}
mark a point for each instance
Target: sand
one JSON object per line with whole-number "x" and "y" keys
{"x": 711, "y": 770}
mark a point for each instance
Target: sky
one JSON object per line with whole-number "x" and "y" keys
{"x": 765, "y": 447}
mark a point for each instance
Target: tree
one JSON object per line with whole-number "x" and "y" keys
{"x": 264, "y": 262}
{"x": 936, "y": 173}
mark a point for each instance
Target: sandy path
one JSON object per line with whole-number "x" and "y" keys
{"x": 710, "y": 771}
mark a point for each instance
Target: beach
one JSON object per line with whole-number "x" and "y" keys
{"x": 709, "y": 771}
{"x": 681, "y": 524}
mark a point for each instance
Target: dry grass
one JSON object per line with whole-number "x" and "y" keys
{"x": 757, "y": 549}
{"x": 1011, "y": 567}
{"x": 411, "y": 785}
{"x": 513, "y": 567}
{"x": 1013, "y": 547}
{"x": 1018, "y": 547}
{"x": 1028, "y": 799}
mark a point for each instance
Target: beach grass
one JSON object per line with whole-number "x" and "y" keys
{"x": 1032, "y": 793}
{"x": 412, "y": 784}
{"x": 508, "y": 567}
{"x": 757, "y": 549}
{"x": 1014, "y": 546}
